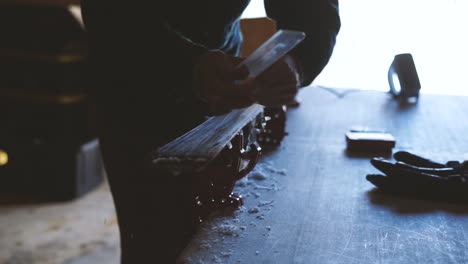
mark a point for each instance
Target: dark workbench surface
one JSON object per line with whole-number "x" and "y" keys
{"x": 321, "y": 209}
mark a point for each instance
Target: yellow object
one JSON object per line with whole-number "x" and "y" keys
{"x": 3, "y": 158}
{"x": 43, "y": 98}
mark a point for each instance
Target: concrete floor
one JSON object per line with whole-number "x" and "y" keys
{"x": 83, "y": 231}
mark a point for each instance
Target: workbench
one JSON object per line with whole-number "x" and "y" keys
{"x": 309, "y": 201}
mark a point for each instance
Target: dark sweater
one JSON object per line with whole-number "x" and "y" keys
{"x": 144, "y": 51}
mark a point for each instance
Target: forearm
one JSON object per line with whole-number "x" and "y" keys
{"x": 319, "y": 19}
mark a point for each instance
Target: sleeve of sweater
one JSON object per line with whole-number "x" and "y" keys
{"x": 319, "y": 19}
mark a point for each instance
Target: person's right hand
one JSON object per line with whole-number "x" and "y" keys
{"x": 218, "y": 81}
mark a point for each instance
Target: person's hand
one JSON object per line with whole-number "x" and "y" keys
{"x": 279, "y": 84}
{"x": 415, "y": 176}
{"x": 218, "y": 81}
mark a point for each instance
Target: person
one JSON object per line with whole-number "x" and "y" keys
{"x": 160, "y": 67}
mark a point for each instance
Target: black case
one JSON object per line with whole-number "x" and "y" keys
{"x": 47, "y": 138}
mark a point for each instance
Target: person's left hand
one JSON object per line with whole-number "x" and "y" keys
{"x": 279, "y": 84}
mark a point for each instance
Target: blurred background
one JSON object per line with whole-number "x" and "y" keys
{"x": 374, "y": 31}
